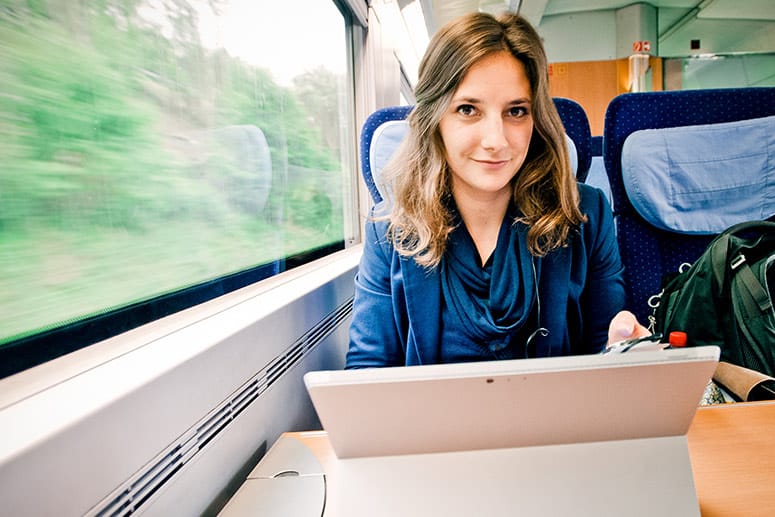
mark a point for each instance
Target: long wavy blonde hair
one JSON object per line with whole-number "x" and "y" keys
{"x": 418, "y": 176}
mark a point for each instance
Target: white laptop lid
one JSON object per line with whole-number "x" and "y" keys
{"x": 505, "y": 404}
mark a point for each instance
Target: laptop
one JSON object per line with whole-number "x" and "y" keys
{"x": 600, "y": 435}
{"x": 514, "y": 403}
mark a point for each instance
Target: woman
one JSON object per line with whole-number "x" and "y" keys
{"x": 487, "y": 247}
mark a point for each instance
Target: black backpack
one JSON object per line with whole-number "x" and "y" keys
{"x": 726, "y": 297}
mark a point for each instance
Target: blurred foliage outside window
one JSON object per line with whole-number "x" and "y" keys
{"x": 137, "y": 160}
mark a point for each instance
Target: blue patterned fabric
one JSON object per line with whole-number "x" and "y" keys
{"x": 596, "y": 146}
{"x": 381, "y": 135}
{"x": 650, "y": 253}
{"x": 373, "y": 124}
{"x": 576, "y": 123}
{"x": 596, "y": 175}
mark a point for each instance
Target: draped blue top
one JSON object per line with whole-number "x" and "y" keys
{"x": 514, "y": 306}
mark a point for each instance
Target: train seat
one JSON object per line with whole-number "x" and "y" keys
{"x": 385, "y": 128}
{"x": 576, "y": 123}
{"x": 683, "y": 166}
{"x": 381, "y": 134}
{"x": 597, "y": 176}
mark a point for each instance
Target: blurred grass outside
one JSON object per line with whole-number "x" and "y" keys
{"x": 58, "y": 276}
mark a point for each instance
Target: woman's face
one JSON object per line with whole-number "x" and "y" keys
{"x": 486, "y": 130}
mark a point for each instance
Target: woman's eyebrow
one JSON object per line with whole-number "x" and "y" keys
{"x": 469, "y": 100}
{"x": 476, "y": 100}
{"x": 463, "y": 99}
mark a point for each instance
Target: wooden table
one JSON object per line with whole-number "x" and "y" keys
{"x": 732, "y": 449}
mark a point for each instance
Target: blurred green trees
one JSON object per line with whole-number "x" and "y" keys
{"x": 117, "y": 183}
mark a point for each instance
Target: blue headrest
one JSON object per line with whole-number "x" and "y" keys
{"x": 573, "y": 153}
{"x": 385, "y": 141}
{"x": 702, "y": 179}
{"x": 380, "y": 136}
{"x": 630, "y": 112}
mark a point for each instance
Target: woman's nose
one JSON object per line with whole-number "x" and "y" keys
{"x": 493, "y": 137}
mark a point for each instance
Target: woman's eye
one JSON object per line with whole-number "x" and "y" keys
{"x": 466, "y": 109}
{"x": 518, "y": 111}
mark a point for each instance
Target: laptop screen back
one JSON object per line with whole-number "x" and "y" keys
{"x": 505, "y": 404}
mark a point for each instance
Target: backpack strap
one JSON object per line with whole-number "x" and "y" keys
{"x": 758, "y": 294}
{"x": 752, "y": 306}
{"x": 720, "y": 251}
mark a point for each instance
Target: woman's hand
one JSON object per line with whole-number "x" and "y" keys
{"x": 625, "y": 326}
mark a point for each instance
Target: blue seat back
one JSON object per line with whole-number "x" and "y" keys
{"x": 385, "y": 128}
{"x": 576, "y": 123}
{"x": 380, "y": 136}
{"x": 597, "y": 176}
{"x": 682, "y": 166}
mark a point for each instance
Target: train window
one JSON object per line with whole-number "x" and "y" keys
{"x": 158, "y": 153}
{"x": 720, "y": 71}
